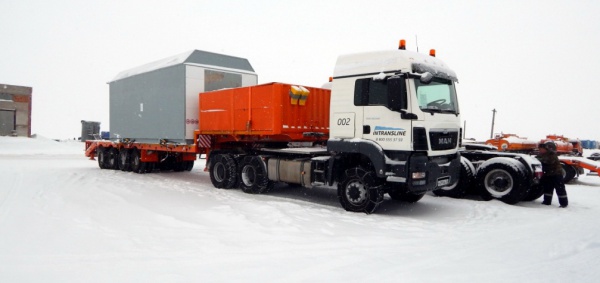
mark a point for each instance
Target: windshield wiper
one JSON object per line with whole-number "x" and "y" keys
{"x": 432, "y": 109}
{"x": 438, "y": 110}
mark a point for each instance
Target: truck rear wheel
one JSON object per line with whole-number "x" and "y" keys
{"x": 464, "y": 183}
{"x": 253, "y": 176}
{"x": 569, "y": 172}
{"x": 360, "y": 190}
{"x": 535, "y": 192}
{"x": 223, "y": 171}
{"x": 502, "y": 178}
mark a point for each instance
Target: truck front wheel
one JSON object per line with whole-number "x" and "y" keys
{"x": 502, "y": 178}
{"x": 360, "y": 190}
{"x": 223, "y": 171}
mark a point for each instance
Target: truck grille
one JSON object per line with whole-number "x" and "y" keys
{"x": 443, "y": 140}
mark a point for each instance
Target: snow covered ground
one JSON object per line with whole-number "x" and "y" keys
{"x": 62, "y": 219}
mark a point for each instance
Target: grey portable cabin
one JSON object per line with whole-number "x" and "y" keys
{"x": 160, "y": 100}
{"x": 90, "y": 130}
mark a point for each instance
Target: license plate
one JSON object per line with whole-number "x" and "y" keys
{"x": 443, "y": 181}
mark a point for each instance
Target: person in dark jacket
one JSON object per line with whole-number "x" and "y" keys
{"x": 553, "y": 174}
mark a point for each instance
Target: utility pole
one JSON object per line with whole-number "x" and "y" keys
{"x": 493, "y": 118}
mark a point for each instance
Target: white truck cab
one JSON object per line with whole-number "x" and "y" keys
{"x": 397, "y": 112}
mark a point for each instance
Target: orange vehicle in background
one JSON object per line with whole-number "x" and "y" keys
{"x": 570, "y": 152}
{"x": 512, "y": 143}
{"x": 565, "y": 145}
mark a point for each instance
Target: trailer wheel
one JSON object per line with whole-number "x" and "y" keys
{"x": 189, "y": 165}
{"x": 101, "y": 152}
{"x": 360, "y": 191}
{"x": 124, "y": 162}
{"x": 223, "y": 171}
{"x": 502, "y": 178}
{"x": 406, "y": 196}
{"x": 150, "y": 167}
{"x": 137, "y": 165}
{"x": 569, "y": 172}
{"x": 112, "y": 159}
{"x": 166, "y": 164}
{"x": 464, "y": 183}
{"x": 253, "y": 176}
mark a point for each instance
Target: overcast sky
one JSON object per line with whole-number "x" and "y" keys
{"x": 535, "y": 62}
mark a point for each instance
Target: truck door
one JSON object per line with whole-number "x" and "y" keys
{"x": 384, "y": 100}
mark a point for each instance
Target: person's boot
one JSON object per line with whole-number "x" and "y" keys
{"x": 547, "y": 200}
{"x": 563, "y": 201}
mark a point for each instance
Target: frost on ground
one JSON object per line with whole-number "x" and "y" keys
{"x": 62, "y": 219}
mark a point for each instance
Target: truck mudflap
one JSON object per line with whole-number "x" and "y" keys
{"x": 428, "y": 175}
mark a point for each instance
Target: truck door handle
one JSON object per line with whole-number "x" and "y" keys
{"x": 366, "y": 129}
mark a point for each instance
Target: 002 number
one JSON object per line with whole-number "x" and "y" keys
{"x": 343, "y": 121}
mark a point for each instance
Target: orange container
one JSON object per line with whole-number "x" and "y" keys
{"x": 268, "y": 112}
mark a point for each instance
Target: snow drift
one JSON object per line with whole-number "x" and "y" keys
{"x": 62, "y": 219}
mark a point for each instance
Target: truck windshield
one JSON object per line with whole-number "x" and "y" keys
{"x": 438, "y": 96}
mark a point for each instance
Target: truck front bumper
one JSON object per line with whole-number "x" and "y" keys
{"x": 425, "y": 174}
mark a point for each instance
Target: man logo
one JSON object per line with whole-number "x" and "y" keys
{"x": 445, "y": 141}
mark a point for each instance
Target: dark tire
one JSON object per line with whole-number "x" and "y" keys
{"x": 101, "y": 154}
{"x": 406, "y": 196}
{"x": 535, "y": 192}
{"x": 360, "y": 190}
{"x": 502, "y": 178}
{"x": 150, "y": 167}
{"x": 465, "y": 182}
{"x": 124, "y": 160}
{"x": 137, "y": 165}
{"x": 189, "y": 165}
{"x": 178, "y": 167}
{"x": 112, "y": 159}
{"x": 253, "y": 176}
{"x": 569, "y": 172}
{"x": 223, "y": 171}
{"x": 166, "y": 165}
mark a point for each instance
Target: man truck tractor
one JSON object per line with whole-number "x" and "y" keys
{"x": 389, "y": 124}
